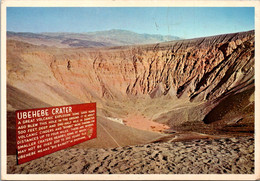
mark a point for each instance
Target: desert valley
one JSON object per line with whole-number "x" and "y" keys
{"x": 164, "y": 105}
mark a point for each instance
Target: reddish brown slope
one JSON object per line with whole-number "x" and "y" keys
{"x": 178, "y": 83}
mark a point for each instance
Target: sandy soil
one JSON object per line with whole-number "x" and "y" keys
{"x": 142, "y": 123}
{"x": 219, "y": 156}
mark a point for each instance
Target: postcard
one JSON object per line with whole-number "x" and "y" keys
{"x": 138, "y": 90}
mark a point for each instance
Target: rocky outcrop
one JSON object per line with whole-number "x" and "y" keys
{"x": 202, "y": 69}
{"x": 178, "y": 83}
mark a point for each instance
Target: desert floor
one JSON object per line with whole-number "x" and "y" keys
{"x": 204, "y": 156}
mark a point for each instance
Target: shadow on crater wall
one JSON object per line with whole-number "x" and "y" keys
{"x": 231, "y": 106}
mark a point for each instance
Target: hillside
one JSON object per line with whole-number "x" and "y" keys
{"x": 183, "y": 84}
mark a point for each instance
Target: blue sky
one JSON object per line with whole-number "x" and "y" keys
{"x": 185, "y": 22}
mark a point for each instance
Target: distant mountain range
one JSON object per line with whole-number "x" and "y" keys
{"x": 92, "y": 39}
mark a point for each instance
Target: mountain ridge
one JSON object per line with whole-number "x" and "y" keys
{"x": 112, "y": 37}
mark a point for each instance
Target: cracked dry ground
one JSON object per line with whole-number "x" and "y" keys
{"x": 220, "y": 156}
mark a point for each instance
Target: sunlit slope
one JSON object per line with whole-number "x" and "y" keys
{"x": 178, "y": 83}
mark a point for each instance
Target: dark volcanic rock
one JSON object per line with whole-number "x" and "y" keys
{"x": 223, "y": 156}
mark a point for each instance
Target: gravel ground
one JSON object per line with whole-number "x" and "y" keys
{"x": 219, "y": 156}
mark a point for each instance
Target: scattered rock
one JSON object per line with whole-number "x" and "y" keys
{"x": 172, "y": 160}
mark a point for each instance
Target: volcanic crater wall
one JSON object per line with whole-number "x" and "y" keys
{"x": 203, "y": 70}
{"x": 206, "y": 68}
